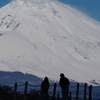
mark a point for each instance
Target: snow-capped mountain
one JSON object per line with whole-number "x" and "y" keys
{"x": 46, "y": 37}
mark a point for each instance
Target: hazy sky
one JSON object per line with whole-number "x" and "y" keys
{"x": 89, "y": 7}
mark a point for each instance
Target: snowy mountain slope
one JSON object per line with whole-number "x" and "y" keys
{"x": 45, "y": 38}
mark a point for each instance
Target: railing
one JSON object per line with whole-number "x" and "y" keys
{"x": 83, "y": 92}
{"x": 76, "y": 92}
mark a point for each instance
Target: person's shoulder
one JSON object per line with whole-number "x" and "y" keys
{"x": 66, "y": 78}
{"x": 42, "y": 82}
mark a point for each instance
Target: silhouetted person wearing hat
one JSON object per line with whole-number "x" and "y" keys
{"x": 64, "y": 83}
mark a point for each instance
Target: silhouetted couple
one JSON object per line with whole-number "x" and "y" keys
{"x": 63, "y": 82}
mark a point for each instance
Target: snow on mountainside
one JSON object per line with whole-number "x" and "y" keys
{"x": 46, "y": 37}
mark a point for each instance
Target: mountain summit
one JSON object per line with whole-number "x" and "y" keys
{"x": 46, "y": 38}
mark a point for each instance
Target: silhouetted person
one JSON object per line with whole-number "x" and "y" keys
{"x": 44, "y": 88}
{"x": 64, "y": 83}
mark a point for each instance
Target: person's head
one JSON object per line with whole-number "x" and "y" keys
{"x": 46, "y": 78}
{"x": 62, "y": 75}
